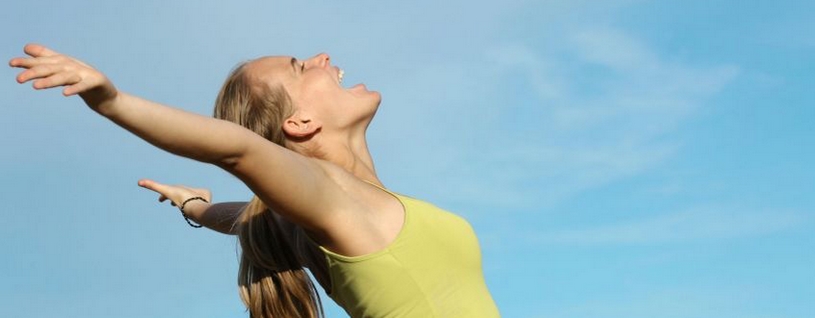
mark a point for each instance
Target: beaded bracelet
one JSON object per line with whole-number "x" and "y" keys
{"x": 181, "y": 208}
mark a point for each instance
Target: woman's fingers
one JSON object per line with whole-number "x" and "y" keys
{"x": 29, "y": 62}
{"x": 38, "y": 71}
{"x": 53, "y": 71}
{"x": 58, "y": 79}
{"x": 175, "y": 193}
{"x": 39, "y": 55}
{"x": 78, "y": 87}
{"x": 22, "y": 62}
{"x": 49, "y": 69}
{"x": 161, "y": 189}
{"x": 151, "y": 185}
{"x": 37, "y": 50}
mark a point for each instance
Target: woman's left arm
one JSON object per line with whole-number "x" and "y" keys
{"x": 220, "y": 217}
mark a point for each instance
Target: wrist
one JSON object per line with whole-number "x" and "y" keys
{"x": 103, "y": 100}
{"x": 187, "y": 204}
{"x": 194, "y": 209}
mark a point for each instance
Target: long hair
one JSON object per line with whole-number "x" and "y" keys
{"x": 272, "y": 281}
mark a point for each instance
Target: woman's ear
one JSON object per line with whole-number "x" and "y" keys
{"x": 301, "y": 126}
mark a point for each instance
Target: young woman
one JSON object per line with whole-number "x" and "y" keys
{"x": 318, "y": 204}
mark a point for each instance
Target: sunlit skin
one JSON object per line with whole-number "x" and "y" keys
{"x": 327, "y": 116}
{"x": 329, "y": 196}
{"x": 315, "y": 183}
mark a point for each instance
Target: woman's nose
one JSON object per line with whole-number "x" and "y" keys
{"x": 321, "y": 60}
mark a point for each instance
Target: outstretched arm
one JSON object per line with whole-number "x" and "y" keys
{"x": 298, "y": 187}
{"x": 220, "y": 217}
{"x": 171, "y": 129}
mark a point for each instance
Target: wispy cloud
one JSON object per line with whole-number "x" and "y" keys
{"x": 592, "y": 108}
{"x": 703, "y": 300}
{"x": 701, "y": 223}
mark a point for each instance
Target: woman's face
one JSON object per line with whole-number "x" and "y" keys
{"x": 314, "y": 86}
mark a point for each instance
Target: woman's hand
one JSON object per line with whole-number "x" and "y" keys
{"x": 177, "y": 194}
{"x": 48, "y": 69}
{"x": 219, "y": 217}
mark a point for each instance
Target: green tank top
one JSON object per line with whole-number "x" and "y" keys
{"x": 431, "y": 269}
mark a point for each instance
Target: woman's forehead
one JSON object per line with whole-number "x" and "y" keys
{"x": 272, "y": 68}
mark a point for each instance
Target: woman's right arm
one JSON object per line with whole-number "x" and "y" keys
{"x": 298, "y": 187}
{"x": 182, "y": 133}
{"x": 220, "y": 217}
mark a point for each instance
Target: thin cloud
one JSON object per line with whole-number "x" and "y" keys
{"x": 707, "y": 300}
{"x": 595, "y": 109}
{"x": 697, "y": 224}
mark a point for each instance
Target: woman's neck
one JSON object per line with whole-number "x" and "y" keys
{"x": 349, "y": 152}
{"x": 353, "y": 156}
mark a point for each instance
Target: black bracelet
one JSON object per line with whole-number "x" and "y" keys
{"x": 181, "y": 208}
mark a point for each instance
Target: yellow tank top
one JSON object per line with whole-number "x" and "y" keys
{"x": 431, "y": 269}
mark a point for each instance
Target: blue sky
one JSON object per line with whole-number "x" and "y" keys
{"x": 617, "y": 158}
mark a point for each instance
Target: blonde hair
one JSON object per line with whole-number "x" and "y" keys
{"x": 272, "y": 281}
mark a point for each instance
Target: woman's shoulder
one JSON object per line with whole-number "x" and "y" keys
{"x": 367, "y": 217}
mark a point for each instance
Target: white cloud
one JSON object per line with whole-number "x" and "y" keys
{"x": 512, "y": 125}
{"x": 700, "y": 300}
{"x": 540, "y": 125}
{"x": 613, "y": 48}
{"x": 701, "y": 223}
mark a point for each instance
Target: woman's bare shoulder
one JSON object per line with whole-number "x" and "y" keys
{"x": 371, "y": 222}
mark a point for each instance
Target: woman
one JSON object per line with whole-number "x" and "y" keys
{"x": 376, "y": 253}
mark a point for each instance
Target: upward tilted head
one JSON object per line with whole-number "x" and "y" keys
{"x": 290, "y": 101}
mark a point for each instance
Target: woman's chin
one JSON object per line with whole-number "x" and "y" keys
{"x": 361, "y": 91}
